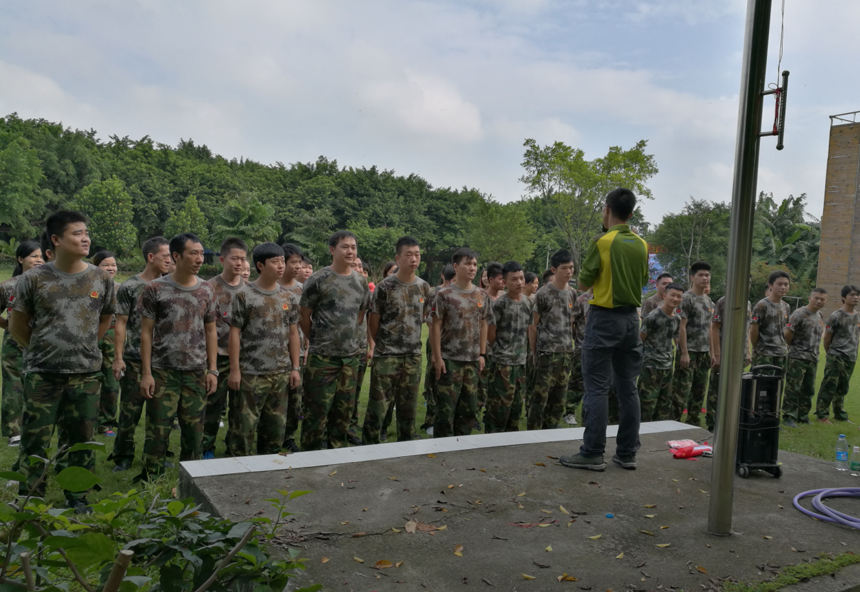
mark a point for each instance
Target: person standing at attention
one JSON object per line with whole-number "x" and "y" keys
{"x": 767, "y": 328}
{"x": 803, "y": 336}
{"x": 841, "y": 337}
{"x": 694, "y": 345}
{"x": 616, "y": 267}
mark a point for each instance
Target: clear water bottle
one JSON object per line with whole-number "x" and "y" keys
{"x": 855, "y": 462}
{"x": 842, "y": 453}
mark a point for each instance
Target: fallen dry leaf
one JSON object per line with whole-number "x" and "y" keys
{"x": 521, "y": 494}
{"x": 423, "y": 527}
{"x": 703, "y": 491}
{"x": 431, "y": 456}
{"x": 566, "y": 578}
{"x": 664, "y": 545}
{"x": 543, "y": 525}
{"x": 450, "y": 487}
{"x": 767, "y": 537}
{"x": 563, "y": 511}
{"x": 520, "y": 506}
{"x": 547, "y": 511}
{"x": 648, "y": 532}
{"x": 548, "y": 549}
{"x": 483, "y": 470}
{"x": 663, "y": 527}
{"x": 396, "y": 529}
{"x": 620, "y": 555}
{"x": 540, "y": 464}
{"x": 398, "y": 564}
{"x": 701, "y": 569}
{"x": 527, "y": 577}
{"x": 393, "y": 478}
{"x": 354, "y": 558}
{"x": 443, "y": 527}
{"x": 595, "y": 537}
{"x": 332, "y": 473}
{"x": 458, "y": 550}
{"x": 650, "y": 505}
{"x": 650, "y": 515}
{"x": 345, "y": 522}
{"x": 355, "y": 535}
{"x": 487, "y": 582}
{"x": 411, "y": 526}
{"x": 325, "y": 560}
{"x": 383, "y": 564}
{"x": 365, "y": 509}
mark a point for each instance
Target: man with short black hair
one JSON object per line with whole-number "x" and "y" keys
{"x": 495, "y": 285}
{"x": 553, "y": 348}
{"x": 659, "y": 332}
{"x": 693, "y": 363}
{"x": 264, "y": 356}
{"x": 294, "y": 264}
{"x": 400, "y": 304}
{"x": 803, "y": 336}
{"x": 616, "y": 268}
{"x": 178, "y": 352}
{"x": 446, "y": 277}
{"x": 769, "y": 318}
{"x": 233, "y": 257}
{"x": 459, "y": 339}
{"x": 547, "y": 276}
{"x": 656, "y": 301}
{"x": 841, "y": 338}
{"x": 61, "y": 311}
{"x": 333, "y": 304}
{"x": 126, "y": 365}
{"x": 510, "y": 333}
{"x": 532, "y": 284}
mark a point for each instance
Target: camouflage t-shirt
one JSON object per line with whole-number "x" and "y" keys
{"x": 401, "y": 309}
{"x": 296, "y": 291}
{"x": 660, "y": 330}
{"x": 718, "y": 317}
{"x": 224, "y": 295}
{"x": 65, "y": 310}
{"x": 771, "y": 319}
{"x": 461, "y": 314}
{"x": 127, "y": 297}
{"x": 335, "y": 302}
{"x": 512, "y": 321}
{"x": 7, "y": 297}
{"x": 807, "y": 328}
{"x": 650, "y": 304}
{"x": 698, "y": 311}
{"x": 265, "y": 318}
{"x": 845, "y": 330}
{"x": 181, "y": 315}
{"x": 556, "y": 310}
{"x": 580, "y": 316}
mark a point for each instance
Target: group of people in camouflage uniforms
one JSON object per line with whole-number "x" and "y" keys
{"x": 691, "y": 324}
{"x": 293, "y": 345}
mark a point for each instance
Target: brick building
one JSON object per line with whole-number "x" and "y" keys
{"x": 839, "y": 255}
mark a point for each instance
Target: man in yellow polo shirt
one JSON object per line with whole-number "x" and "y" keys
{"x": 616, "y": 267}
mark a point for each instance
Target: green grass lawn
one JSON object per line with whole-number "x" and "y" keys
{"x": 817, "y": 440}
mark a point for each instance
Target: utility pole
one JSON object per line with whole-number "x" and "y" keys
{"x": 740, "y": 249}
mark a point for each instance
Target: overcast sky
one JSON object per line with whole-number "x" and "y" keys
{"x": 445, "y": 89}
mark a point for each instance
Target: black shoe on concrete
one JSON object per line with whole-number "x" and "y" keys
{"x": 578, "y": 461}
{"x": 625, "y": 461}
{"x": 354, "y": 440}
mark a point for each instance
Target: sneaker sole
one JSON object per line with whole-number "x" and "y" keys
{"x": 599, "y": 467}
{"x": 625, "y": 465}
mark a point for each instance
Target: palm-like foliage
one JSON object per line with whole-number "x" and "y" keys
{"x": 791, "y": 237}
{"x": 246, "y": 217}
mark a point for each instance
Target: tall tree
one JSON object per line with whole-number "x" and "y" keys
{"x": 791, "y": 236}
{"x": 21, "y": 199}
{"x": 246, "y": 217}
{"x": 501, "y": 232}
{"x": 108, "y": 206}
{"x": 573, "y": 188}
{"x": 375, "y": 245}
{"x": 311, "y": 232}
{"x": 188, "y": 219}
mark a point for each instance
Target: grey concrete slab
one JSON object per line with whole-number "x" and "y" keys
{"x": 503, "y": 505}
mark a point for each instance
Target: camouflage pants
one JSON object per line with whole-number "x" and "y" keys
{"x": 834, "y": 387}
{"x": 294, "y": 412}
{"x": 215, "y": 405}
{"x": 690, "y": 385}
{"x": 181, "y": 392}
{"x": 130, "y": 409}
{"x": 713, "y": 395}
{"x": 392, "y": 380}
{"x": 655, "y": 394}
{"x": 68, "y": 400}
{"x": 484, "y": 382}
{"x": 110, "y": 385}
{"x": 769, "y": 361}
{"x": 505, "y": 399}
{"x": 262, "y": 403}
{"x": 799, "y": 389}
{"x": 552, "y": 372}
{"x": 329, "y": 398}
{"x": 11, "y": 358}
{"x": 429, "y": 390}
{"x": 575, "y": 384}
{"x": 456, "y": 399}
{"x": 359, "y": 382}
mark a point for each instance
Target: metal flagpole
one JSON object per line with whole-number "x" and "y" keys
{"x": 740, "y": 248}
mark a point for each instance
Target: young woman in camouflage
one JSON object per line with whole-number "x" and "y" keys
{"x": 400, "y": 304}
{"x": 803, "y": 336}
{"x": 554, "y": 311}
{"x": 126, "y": 365}
{"x": 511, "y": 335}
{"x": 841, "y": 337}
{"x": 28, "y": 255}
{"x": 459, "y": 339}
{"x": 61, "y": 311}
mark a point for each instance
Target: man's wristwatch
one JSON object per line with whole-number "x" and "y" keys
{"x": 213, "y": 373}
{"x": 295, "y": 369}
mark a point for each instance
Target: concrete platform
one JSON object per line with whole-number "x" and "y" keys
{"x": 517, "y": 512}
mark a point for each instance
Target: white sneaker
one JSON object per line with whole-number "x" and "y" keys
{"x": 570, "y": 419}
{"x": 14, "y": 440}
{"x": 220, "y": 424}
{"x": 429, "y": 431}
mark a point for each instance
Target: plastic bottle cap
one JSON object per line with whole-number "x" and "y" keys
{"x": 841, "y": 435}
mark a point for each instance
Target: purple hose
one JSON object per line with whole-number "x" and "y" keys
{"x": 827, "y": 514}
